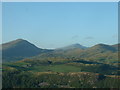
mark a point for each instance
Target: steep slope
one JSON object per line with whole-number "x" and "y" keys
{"x": 19, "y": 49}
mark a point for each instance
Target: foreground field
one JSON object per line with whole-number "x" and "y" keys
{"x": 58, "y": 80}
{"x": 72, "y": 74}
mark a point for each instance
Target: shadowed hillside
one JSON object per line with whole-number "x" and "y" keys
{"x": 19, "y": 49}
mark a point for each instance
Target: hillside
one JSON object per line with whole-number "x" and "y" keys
{"x": 70, "y": 67}
{"x": 100, "y": 53}
{"x": 116, "y": 46}
{"x": 59, "y": 74}
{"x": 71, "y": 47}
{"x": 19, "y": 49}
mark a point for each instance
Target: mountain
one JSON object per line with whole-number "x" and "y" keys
{"x": 64, "y": 52}
{"x": 73, "y": 46}
{"x": 19, "y": 49}
{"x": 102, "y": 48}
{"x": 100, "y": 53}
{"x": 116, "y": 46}
{"x": 97, "y": 53}
{"x": 93, "y": 67}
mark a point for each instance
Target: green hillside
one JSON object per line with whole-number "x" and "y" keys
{"x": 98, "y": 53}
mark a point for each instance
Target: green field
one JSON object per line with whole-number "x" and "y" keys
{"x": 56, "y": 68}
{"x": 39, "y": 66}
{"x": 66, "y": 74}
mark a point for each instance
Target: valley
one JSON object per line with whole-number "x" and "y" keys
{"x": 74, "y": 66}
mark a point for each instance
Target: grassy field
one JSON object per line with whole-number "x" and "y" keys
{"x": 56, "y": 68}
{"x": 63, "y": 67}
{"x": 41, "y": 74}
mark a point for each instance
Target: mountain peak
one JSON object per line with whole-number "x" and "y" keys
{"x": 77, "y": 45}
{"x": 19, "y": 39}
{"x": 103, "y": 47}
{"x": 73, "y": 46}
{"x": 16, "y": 43}
{"x": 19, "y": 48}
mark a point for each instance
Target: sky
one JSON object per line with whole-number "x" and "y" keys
{"x": 58, "y": 24}
{"x": 0, "y": 23}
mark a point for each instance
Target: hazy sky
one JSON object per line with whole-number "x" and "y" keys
{"x": 53, "y": 25}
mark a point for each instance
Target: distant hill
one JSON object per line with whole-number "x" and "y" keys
{"x": 99, "y": 53}
{"x": 19, "y": 49}
{"x": 101, "y": 48}
{"x": 64, "y": 52}
{"x": 73, "y": 46}
{"x": 116, "y": 46}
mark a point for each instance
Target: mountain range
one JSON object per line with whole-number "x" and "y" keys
{"x": 20, "y": 49}
{"x": 73, "y": 66}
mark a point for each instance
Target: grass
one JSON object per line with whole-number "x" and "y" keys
{"x": 56, "y": 68}
{"x": 60, "y": 67}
